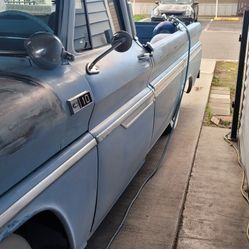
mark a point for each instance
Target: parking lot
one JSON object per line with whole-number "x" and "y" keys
{"x": 156, "y": 219}
{"x": 220, "y": 39}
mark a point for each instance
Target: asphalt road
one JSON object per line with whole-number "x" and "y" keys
{"x": 220, "y": 39}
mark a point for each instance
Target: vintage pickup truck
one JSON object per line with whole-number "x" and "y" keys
{"x": 82, "y": 103}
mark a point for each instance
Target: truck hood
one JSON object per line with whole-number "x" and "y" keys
{"x": 167, "y": 8}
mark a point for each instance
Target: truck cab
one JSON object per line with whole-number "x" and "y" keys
{"x": 84, "y": 97}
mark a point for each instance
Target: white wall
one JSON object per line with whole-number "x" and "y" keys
{"x": 2, "y": 5}
{"x": 244, "y": 122}
{"x": 143, "y": 8}
{"x": 204, "y": 9}
{"x": 223, "y": 9}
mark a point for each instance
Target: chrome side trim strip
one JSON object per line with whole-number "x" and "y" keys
{"x": 162, "y": 84}
{"x": 139, "y": 103}
{"x": 102, "y": 130}
{"x": 45, "y": 183}
{"x": 132, "y": 119}
{"x": 173, "y": 71}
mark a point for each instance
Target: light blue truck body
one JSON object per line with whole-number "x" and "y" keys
{"x": 76, "y": 166}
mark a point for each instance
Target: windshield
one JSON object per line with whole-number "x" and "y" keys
{"x": 176, "y": 1}
{"x": 19, "y": 19}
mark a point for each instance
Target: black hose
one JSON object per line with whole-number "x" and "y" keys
{"x": 158, "y": 165}
{"x": 188, "y": 62}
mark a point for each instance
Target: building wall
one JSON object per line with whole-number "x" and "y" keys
{"x": 244, "y": 123}
{"x": 2, "y": 6}
{"x": 206, "y": 7}
{"x": 224, "y": 9}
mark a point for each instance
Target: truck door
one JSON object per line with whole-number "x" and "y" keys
{"x": 122, "y": 119}
{"x": 169, "y": 72}
{"x": 167, "y": 77}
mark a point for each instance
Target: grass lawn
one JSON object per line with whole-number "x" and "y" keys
{"x": 225, "y": 75}
{"x": 139, "y": 17}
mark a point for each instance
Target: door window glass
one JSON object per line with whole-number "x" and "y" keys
{"x": 95, "y": 22}
{"x": 114, "y": 15}
{"x": 37, "y": 12}
{"x": 81, "y": 29}
{"x": 19, "y": 19}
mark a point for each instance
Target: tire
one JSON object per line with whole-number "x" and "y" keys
{"x": 43, "y": 237}
{"x": 172, "y": 125}
{"x": 15, "y": 241}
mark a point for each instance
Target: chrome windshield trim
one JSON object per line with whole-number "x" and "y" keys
{"x": 21, "y": 203}
{"x": 12, "y": 37}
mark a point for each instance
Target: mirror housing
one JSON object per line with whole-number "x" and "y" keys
{"x": 121, "y": 42}
{"x": 157, "y": 2}
{"x": 46, "y": 50}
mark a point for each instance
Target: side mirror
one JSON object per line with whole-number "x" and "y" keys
{"x": 196, "y": 2}
{"x": 121, "y": 42}
{"x": 46, "y": 50}
{"x": 157, "y": 2}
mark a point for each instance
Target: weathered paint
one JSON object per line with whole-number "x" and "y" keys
{"x": 28, "y": 111}
{"x": 119, "y": 124}
{"x": 25, "y": 110}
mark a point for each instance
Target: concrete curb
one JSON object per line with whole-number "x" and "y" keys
{"x": 226, "y": 18}
{"x": 147, "y": 19}
{"x": 207, "y": 72}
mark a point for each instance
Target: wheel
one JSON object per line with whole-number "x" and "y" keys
{"x": 15, "y": 241}
{"x": 171, "y": 125}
